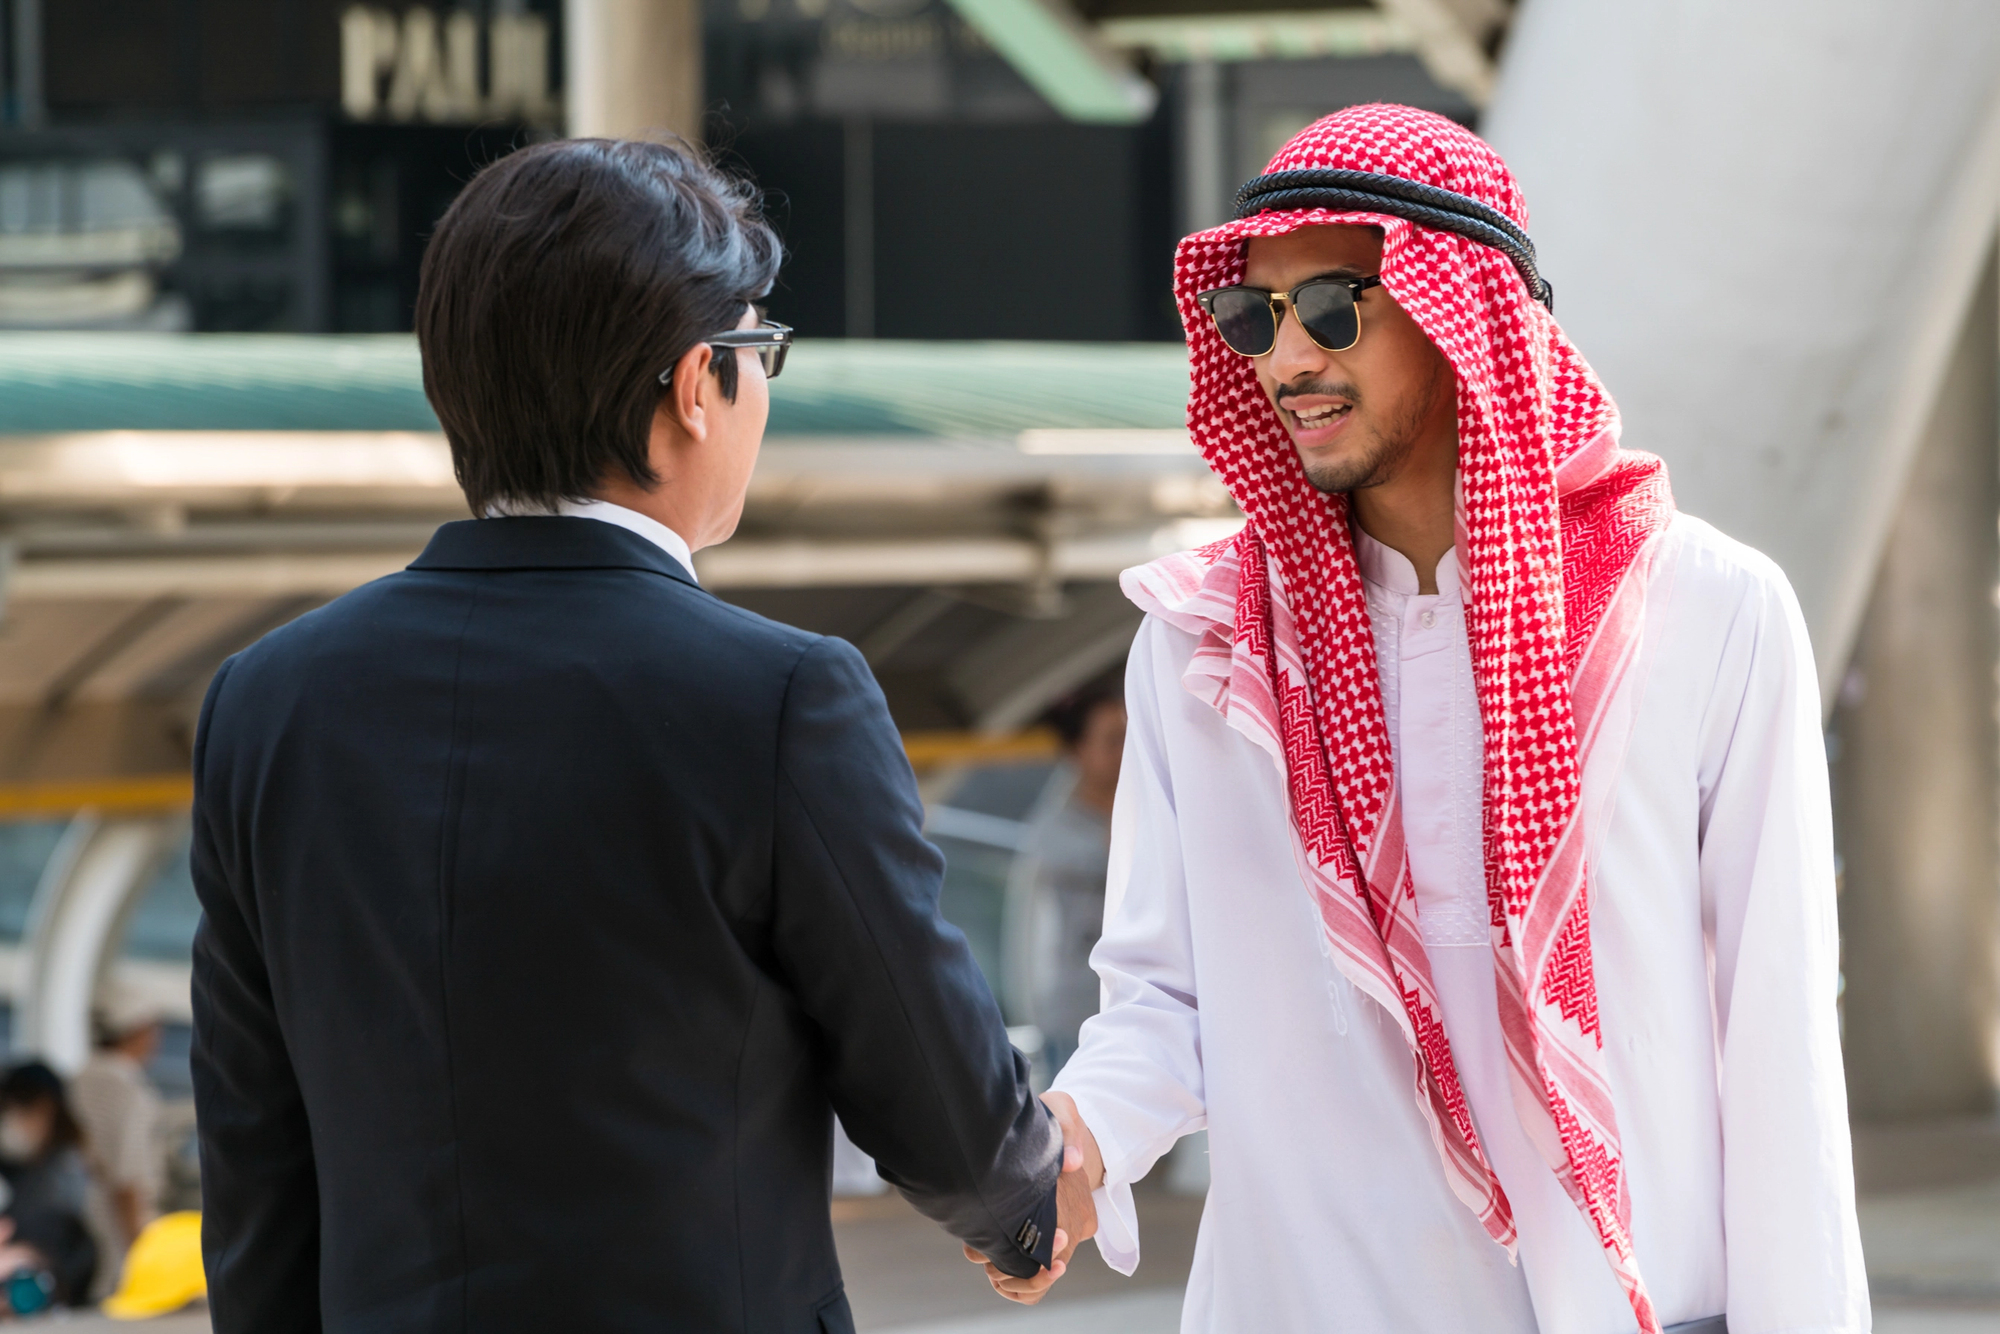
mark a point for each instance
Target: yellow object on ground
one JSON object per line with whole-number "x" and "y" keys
{"x": 163, "y": 1270}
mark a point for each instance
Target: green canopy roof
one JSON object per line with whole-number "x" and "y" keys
{"x": 278, "y": 382}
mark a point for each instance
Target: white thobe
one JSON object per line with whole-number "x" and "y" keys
{"x": 1715, "y": 942}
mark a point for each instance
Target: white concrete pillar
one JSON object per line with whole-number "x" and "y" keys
{"x": 1766, "y": 267}
{"x": 632, "y": 68}
{"x": 79, "y": 908}
{"x": 1916, "y": 768}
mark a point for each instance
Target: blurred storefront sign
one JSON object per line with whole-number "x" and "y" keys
{"x": 423, "y": 65}
{"x": 264, "y": 168}
{"x": 276, "y": 168}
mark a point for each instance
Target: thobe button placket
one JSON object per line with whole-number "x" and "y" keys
{"x": 1428, "y": 620}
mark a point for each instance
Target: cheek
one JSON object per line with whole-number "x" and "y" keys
{"x": 1265, "y": 380}
{"x": 760, "y": 394}
{"x": 1400, "y": 363}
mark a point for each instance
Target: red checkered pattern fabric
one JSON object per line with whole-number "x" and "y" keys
{"x": 1556, "y": 529}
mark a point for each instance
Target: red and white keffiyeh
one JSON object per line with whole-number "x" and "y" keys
{"x": 1556, "y": 528}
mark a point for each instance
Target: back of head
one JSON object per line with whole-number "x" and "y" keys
{"x": 31, "y": 1082}
{"x": 33, "y": 1085}
{"x": 1070, "y": 715}
{"x": 557, "y": 287}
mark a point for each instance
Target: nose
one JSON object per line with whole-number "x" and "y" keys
{"x": 1294, "y": 354}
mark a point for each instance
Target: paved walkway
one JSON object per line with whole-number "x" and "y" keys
{"x": 1933, "y": 1259}
{"x": 1930, "y": 1223}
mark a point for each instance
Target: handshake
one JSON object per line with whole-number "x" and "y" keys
{"x": 1076, "y": 1215}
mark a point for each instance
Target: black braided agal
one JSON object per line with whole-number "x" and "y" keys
{"x": 1425, "y": 205}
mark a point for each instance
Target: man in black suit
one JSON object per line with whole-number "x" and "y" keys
{"x": 552, "y": 905}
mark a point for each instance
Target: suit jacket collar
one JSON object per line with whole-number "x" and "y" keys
{"x": 544, "y": 542}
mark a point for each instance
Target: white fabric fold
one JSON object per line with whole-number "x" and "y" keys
{"x": 1327, "y": 1197}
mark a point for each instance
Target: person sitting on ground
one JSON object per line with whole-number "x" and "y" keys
{"x": 41, "y": 1141}
{"x": 47, "y": 1259}
{"x": 41, "y": 1160}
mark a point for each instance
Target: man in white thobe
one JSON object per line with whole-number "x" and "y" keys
{"x": 1527, "y": 1024}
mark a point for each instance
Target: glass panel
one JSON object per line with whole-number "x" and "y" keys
{"x": 976, "y": 822}
{"x": 25, "y": 849}
{"x": 169, "y": 1068}
{"x": 973, "y": 897}
{"x": 243, "y": 192}
{"x": 162, "y": 924}
{"x": 161, "y": 931}
{"x": 1006, "y": 790}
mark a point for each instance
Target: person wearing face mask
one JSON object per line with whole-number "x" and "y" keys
{"x": 41, "y": 1142}
{"x": 41, "y": 1160}
{"x": 47, "y": 1260}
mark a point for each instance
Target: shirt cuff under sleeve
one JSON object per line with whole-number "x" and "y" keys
{"x": 1117, "y": 1227}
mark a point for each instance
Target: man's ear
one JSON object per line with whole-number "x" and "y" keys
{"x": 687, "y": 397}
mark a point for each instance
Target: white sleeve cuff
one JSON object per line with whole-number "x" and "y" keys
{"x": 1117, "y": 1216}
{"x": 1117, "y": 1227}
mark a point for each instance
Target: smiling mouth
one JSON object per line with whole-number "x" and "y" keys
{"x": 1320, "y": 415}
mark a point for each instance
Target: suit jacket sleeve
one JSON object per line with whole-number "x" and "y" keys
{"x": 260, "y": 1195}
{"x": 920, "y": 1068}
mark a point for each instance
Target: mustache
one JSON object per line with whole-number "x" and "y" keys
{"x": 1331, "y": 388}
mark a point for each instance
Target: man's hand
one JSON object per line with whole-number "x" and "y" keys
{"x": 1076, "y": 1134}
{"x": 1076, "y": 1214}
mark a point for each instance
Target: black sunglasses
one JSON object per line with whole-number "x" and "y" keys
{"x": 1328, "y": 310}
{"x": 770, "y": 340}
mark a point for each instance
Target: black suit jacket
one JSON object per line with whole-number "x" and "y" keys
{"x": 551, "y": 904}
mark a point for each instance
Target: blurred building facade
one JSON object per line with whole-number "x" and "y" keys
{"x": 274, "y": 165}
{"x": 984, "y": 169}
{"x": 928, "y": 189}
{"x": 249, "y": 166}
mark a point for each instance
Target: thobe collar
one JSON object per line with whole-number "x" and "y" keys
{"x": 1385, "y": 568}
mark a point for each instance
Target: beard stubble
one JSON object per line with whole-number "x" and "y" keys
{"x": 1389, "y": 442}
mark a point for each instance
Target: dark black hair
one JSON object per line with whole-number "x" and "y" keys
{"x": 1070, "y": 715}
{"x": 560, "y": 283}
{"x": 31, "y": 1083}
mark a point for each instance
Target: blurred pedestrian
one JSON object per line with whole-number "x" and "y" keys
{"x": 41, "y": 1142}
{"x": 1067, "y": 849}
{"x": 41, "y": 1160}
{"x": 120, "y": 1114}
{"x": 47, "y": 1258}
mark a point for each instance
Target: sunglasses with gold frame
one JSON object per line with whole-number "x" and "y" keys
{"x": 1328, "y": 309}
